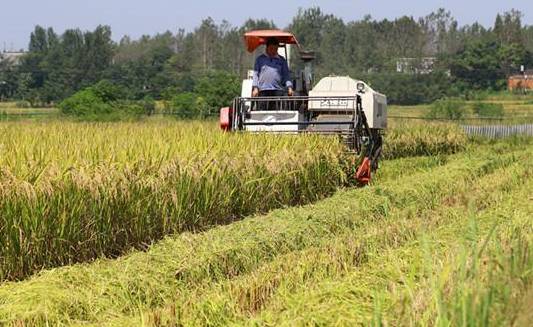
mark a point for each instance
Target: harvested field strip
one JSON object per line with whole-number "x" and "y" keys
{"x": 273, "y": 284}
{"x": 469, "y": 270}
{"x": 97, "y": 292}
{"x": 72, "y": 192}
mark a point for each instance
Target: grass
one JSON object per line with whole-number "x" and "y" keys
{"x": 517, "y": 109}
{"x": 361, "y": 255}
{"x": 14, "y": 108}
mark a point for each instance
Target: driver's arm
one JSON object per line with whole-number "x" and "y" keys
{"x": 286, "y": 78}
{"x": 255, "y": 81}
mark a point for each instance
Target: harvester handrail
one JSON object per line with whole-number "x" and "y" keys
{"x": 300, "y": 97}
{"x": 330, "y": 122}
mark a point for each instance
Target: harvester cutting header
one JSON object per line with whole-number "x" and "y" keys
{"x": 276, "y": 99}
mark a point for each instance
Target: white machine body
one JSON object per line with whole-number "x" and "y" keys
{"x": 374, "y": 103}
{"x": 336, "y": 105}
{"x": 279, "y": 116}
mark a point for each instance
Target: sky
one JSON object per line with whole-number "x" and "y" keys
{"x": 138, "y": 17}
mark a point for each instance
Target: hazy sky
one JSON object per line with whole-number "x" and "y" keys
{"x": 137, "y": 17}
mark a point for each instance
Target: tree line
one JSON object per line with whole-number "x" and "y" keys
{"x": 204, "y": 66}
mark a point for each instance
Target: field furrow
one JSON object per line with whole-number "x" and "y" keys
{"x": 415, "y": 280}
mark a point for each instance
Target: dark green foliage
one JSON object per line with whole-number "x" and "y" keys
{"x": 218, "y": 88}
{"x": 486, "y": 64}
{"x": 212, "y": 91}
{"x": 108, "y": 91}
{"x": 484, "y": 109}
{"x": 148, "y": 103}
{"x": 101, "y": 102}
{"x": 409, "y": 89}
{"x": 446, "y": 108}
{"x": 56, "y": 67}
{"x": 183, "y": 105}
{"x": 466, "y": 59}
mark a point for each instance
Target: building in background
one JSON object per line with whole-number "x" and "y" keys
{"x": 424, "y": 65}
{"x": 11, "y": 57}
{"x": 522, "y": 81}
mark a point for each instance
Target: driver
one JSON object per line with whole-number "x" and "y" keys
{"x": 271, "y": 73}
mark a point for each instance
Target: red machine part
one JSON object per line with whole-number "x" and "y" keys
{"x": 363, "y": 173}
{"x": 225, "y": 118}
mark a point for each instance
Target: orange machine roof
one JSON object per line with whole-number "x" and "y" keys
{"x": 254, "y": 39}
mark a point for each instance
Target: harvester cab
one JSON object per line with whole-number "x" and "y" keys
{"x": 336, "y": 105}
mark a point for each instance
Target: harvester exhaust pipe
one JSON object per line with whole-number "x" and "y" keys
{"x": 307, "y": 57}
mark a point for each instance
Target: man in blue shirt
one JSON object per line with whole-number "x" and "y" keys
{"x": 271, "y": 73}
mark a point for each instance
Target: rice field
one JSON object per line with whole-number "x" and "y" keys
{"x": 170, "y": 223}
{"x": 515, "y": 109}
{"x": 72, "y": 192}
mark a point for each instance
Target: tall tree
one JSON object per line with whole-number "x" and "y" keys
{"x": 38, "y": 40}
{"x": 206, "y": 42}
{"x": 333, "y": 40}
{"x": 508, "y": 28}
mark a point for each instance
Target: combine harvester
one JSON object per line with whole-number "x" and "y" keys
{"x": 337, "y": 105}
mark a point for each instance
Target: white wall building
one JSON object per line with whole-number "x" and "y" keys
{"x": 13, "y": 58}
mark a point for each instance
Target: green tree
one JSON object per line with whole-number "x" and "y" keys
{"x": 218, "y": 88}
{"x": 511, "y": 56}
{"x": 38, "y": 40}
{"x": 334, "y": 40}
{"x": 184, "y": 105}
{"x": 478, "y": 66}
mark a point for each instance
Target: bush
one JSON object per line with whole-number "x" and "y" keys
{"x": 148, "y": 104}
{"x": 476, "y": 95}
{"x": 187, "y": 105}
{"x": 101, "y": 102}
{"x": 85, "y": 102}
{"x": 108, "y": 91}
{"x": 484, "y": 109}
{"x": 447, "y": 108}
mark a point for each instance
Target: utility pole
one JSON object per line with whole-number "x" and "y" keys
{"x": 524, "y": 78}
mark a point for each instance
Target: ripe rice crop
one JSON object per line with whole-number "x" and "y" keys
{"x": 71, "y": 192}
{"x": 415, "y": 139}
{"x": 384, "y": 254}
